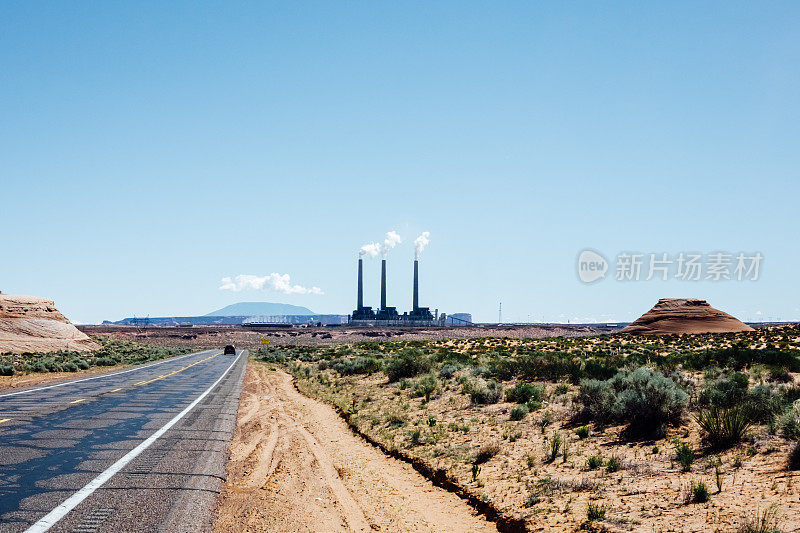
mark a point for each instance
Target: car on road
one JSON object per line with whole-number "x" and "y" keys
{"x": 229, "y": 350}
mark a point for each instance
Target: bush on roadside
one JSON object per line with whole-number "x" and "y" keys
{"x": 486, "y": 452}
{"x": 358, "y": 365}
{"x": 407, "y": 364}
{"x": 763, "y": 403}
{"x": 700, "y": 493}
{"x": 448, "y": 370}
{"x": 790, "y": 422}
{"x": 427, "y": 385}
{"x": 726, "y": 391}
{"x": 645, "y": 399}
{"x": 684, "y": 454}
{"x": 723, "y": 427}
{"x": 794, "y": 457}
{"x": 524, "y": 392}
{"x": 483, "y": 392}
{"x": 519, "y": 412}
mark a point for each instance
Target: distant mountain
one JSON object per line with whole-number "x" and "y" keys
{"x": 261, "y": 309}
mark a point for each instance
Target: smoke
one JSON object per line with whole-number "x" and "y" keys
{"x": 420, "y": 243}
{"x": 392, "y": 239}
{"x": 277, "y": 282}
{"x": 372, "y": 249}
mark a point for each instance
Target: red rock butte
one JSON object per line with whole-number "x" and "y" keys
{"x": 684, "y": 315}
{"x": 33, "y": 324}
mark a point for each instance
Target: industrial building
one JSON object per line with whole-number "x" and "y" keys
{"x": 388, "y": 316}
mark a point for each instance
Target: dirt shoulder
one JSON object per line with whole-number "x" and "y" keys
{"x": 295, "y": 466}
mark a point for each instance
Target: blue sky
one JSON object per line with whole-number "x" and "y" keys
{"x": 148, "y": 150}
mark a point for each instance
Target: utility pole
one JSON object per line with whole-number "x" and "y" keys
{"x": 500, "y": 314}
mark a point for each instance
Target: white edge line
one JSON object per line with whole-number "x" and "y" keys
{"x": 104, "y": 375}
{"x": 50, "y": 519}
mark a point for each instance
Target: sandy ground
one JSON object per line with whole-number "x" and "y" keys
{"x": 295, "y": 466}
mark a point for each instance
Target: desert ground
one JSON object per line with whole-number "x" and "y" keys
{"x": 529, "y": 429}
{"x": 541, "y": 462}
{"x": 296, "y": 466}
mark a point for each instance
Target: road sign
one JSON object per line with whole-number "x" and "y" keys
{"x": 265, "y": 342}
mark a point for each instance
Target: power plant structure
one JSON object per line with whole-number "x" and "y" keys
{"x": 388, "y": 316}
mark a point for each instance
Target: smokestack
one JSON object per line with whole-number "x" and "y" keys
{"x": 416, "y": 285}
{"x": 360, "y": 305}
{"x": 383, "y": 284}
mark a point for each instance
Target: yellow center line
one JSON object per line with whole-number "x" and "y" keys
{"x": 176, "y": 371}
{"x": 78, "y": 401}
{"x": 4, "y": 420}
{"x": 115, "y": 390}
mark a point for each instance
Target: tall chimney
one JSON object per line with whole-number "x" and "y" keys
{"x": 383, "y": 284}
{"x": 360, "y": 286}
{"x": 416, "y": 285}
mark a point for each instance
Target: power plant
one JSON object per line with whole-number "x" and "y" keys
{"x": 388, "y": 316}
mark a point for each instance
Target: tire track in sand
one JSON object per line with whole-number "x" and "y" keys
{"x": 295, "y": 466}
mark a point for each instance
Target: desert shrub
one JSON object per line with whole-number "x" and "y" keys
{"x": 582, "y": 432}
{"x": 594, "y": 462}
{"x": 684, "y": 454}
{"x": 105, "y": 361}
{"x": 700, "y": 492}
{"x": 780, "y": 375}
{"x": 69, "y": 366}
{"x": 427, "y": 385}
{"x": 448, "y": 370}
{"x": 483, "y": 392}
{"x": 647, "y": 400}
{"x": 6, "y": 370}
{"x": 793, "y": 462}
{"x": 613, "y": 464}
{"x": 525, "y": 392}
{"x": 553, "y": 446}
{"x": 277, "y": 357}
{"x": 725, "y": 391}
{"x": 405, "y": 365}
{"x": 723, "y": 427}
{"x": 561, "y": 388}
{"x": 83, "y": 364}
{"x": 765, "y": 521}
{"x": 763, "y": 403}
{"x": 519, "y": 412}
{"x": 486, "y": 452}
{"x": 358, "y": 365}
{"x": 596, "y": 512}
{"x": 790, "y": 422}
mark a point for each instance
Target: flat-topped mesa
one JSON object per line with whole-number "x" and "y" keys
{"x": 685, "y": 315}
{"x": 33, "y": 324}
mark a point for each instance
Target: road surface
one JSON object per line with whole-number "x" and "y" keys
{"x": 142, "y": 449}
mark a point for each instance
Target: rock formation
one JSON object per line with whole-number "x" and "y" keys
{"x": 684, "y": 315}
{"x": 32, "y": 324}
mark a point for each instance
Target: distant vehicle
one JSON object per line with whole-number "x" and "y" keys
{"x": 229, "y": 350}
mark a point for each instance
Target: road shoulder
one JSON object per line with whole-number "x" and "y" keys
{"x": 296, "y": 466}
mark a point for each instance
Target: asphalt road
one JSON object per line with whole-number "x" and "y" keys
{"x": 138, "y": 450}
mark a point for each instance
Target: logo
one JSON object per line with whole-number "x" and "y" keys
{"x": 591, "y": 266}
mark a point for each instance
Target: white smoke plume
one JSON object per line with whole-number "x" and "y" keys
{"x": 274, "y": 281}
{"x": 392, "y": 239}
{"x": 421, "y": 242}
{"x": 372, "y": 249}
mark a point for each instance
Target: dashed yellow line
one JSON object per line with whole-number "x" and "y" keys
{"x": 4, "y": 420}
{"x": 176, "y": 371}
{"x": 162, "y": 376}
